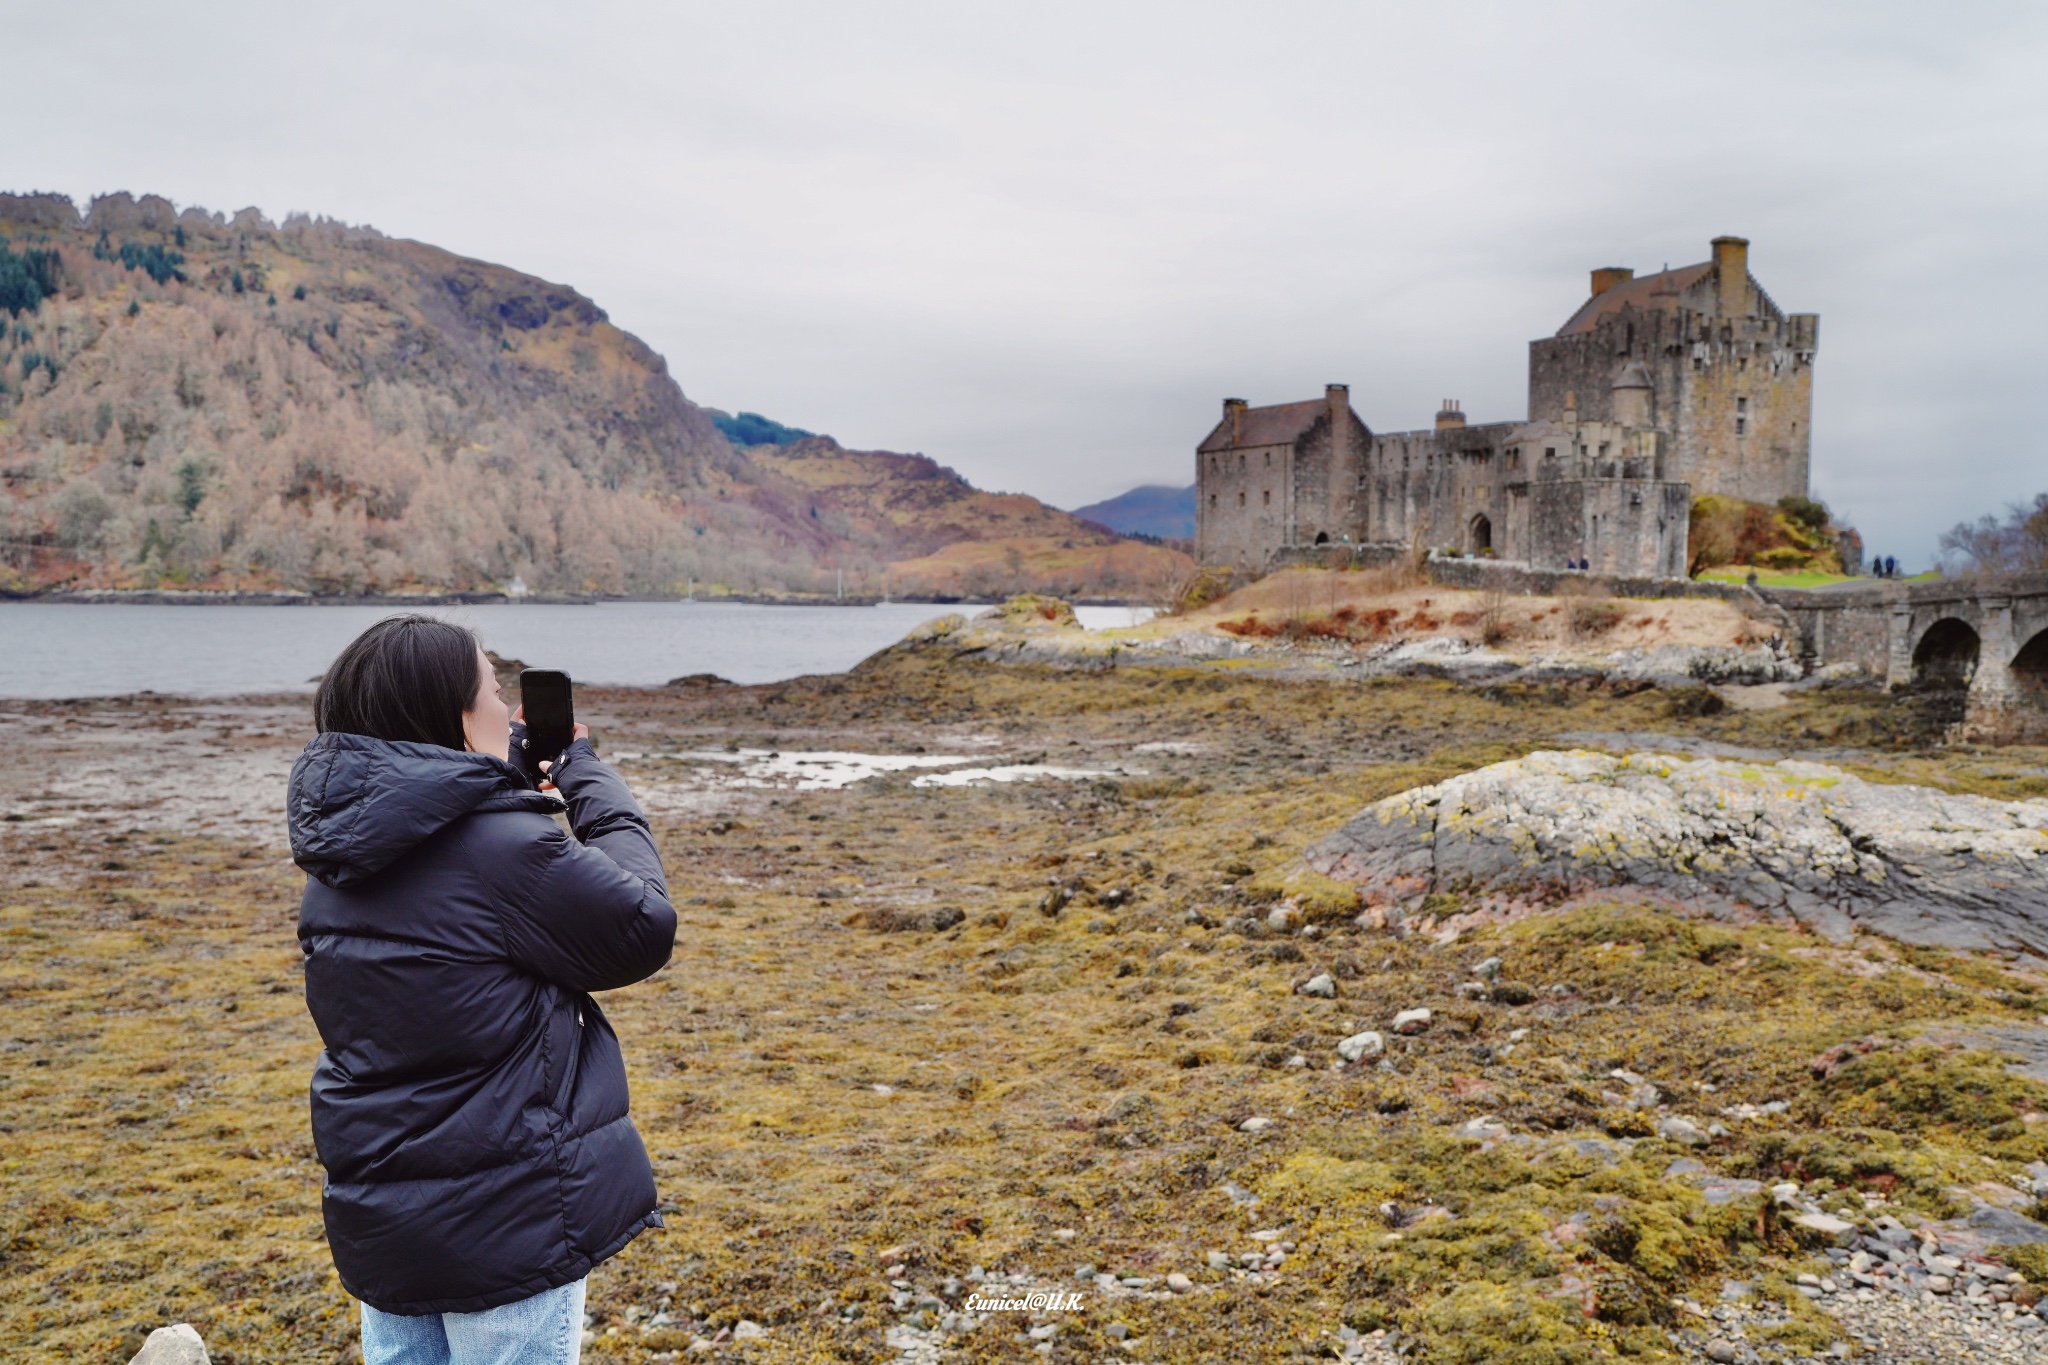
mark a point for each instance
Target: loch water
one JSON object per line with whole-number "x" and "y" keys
{"x": 58, "y": 649}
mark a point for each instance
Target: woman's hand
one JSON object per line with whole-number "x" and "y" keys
{"x": 579, "y": 731}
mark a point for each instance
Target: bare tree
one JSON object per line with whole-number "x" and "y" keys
{"x": 1988, "y": 545}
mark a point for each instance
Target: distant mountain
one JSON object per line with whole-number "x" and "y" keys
{"x": 944, "y": 535}
{"x": 193, "y": 400}
{"x": 1154, "y": 510}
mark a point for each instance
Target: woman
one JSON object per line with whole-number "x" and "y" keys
{"x": 470, "y": 1105}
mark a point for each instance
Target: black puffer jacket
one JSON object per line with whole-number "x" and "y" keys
{"x": 470, "y": 1106}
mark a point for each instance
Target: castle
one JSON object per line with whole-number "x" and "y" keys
{"x": 1687, "y": 381}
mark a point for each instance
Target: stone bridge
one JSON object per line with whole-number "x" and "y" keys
{"x": 1988, "y": 637}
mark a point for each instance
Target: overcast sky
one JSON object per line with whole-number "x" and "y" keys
{"x": 1042, "y": 242}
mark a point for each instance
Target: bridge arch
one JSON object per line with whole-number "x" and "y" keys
{"x": 2030, "y": 671}
{"x": 1946, "y": 654}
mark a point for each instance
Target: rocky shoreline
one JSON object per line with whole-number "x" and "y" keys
{"x": 928, "y": 1050}
{"x": 1806, "y": 840}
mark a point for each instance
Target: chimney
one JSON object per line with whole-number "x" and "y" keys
{"x": 1571, "y": 408}
{"x": 1607, "y": 276}
{"x": 1338, "y": 396}
{"x": 1450, "y": 417}
{"x": 1233, "y": 413}
{"x": 1731, "y": 267}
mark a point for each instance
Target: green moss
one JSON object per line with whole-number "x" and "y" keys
{"x": 2030, "y": 1260}
{"x": 1491, "y": 1324}
{"x": 1927, "y": 1087}
{"x": 1319, "y": 899}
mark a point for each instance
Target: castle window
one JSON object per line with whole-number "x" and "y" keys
{"x": 1240, "y": 497}
{"x": 1740, "y": 423}
{"x": 1212, "y": 500}
{"x": 1267, "y": 497}
{"x": 1269, "y": 459}
{"x": 1742, "y": 405}
{"x": 1550, "y": 452}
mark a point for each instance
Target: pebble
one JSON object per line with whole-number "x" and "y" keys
{"x": 1411, "y": 1021}
{"x": 1680, "y": 1130}
{"x": 1179, "y": 1283}
{"x": 1255, "y": 1124}
{"x": 1322, "y": 984}
{"x": 1360, "y": 1046}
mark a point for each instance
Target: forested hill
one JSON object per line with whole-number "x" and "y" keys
{"x": 195, "y": 400}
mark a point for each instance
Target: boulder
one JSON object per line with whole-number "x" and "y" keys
{"x": 1828, "y": 1228}
{"x": 2004, "y": 1228}
{"x": 176, "y": 1345}
{"x": 1790, "y": 838}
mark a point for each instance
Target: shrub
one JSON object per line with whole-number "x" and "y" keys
{"x": 1796, "y": 534}
{"x": 752, "y": 429}
{"x": 1591, "y": 617}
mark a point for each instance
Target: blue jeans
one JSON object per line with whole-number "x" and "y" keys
{"x": 546, "y": 1329}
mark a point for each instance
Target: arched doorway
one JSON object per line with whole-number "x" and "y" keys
{"x": 1481, "y": 538}
{"x": 1946, "y": 656}
{"x": 1322, "y": 537}
{"x": 2030, "y": 671}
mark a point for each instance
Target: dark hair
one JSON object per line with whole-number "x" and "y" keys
{"x": 406, "y": 678}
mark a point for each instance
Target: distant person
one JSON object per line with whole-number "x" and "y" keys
{"x": 470, "y": 1107}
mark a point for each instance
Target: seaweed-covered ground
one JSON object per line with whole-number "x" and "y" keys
{"x": 924, "y": 1038}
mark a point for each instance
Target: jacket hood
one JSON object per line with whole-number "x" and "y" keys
{"x": 357, "y": 804}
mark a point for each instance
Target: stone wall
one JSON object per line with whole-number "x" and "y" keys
{"x": 1241, "y": 505}
{"x": 1480, "y": 575}
{"x": 1629, "y": 527}
{"x": 1427, "y": 487}
{"x": 1327, "y": 483}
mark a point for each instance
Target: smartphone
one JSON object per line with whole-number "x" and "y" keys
{"x": 550, "y": 713}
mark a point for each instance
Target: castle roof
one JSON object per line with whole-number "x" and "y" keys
{"x": 1634, "y": 292}
{"x": 1279, "y": 425}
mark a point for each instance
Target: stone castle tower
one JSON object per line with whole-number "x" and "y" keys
{"x": 1659, "y": 388}
{"x": 1730, "y": 376}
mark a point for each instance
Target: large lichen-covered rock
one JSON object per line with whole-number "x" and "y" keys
{"x": 1788, "y": 838}
{"x": 178, "y": 1345}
